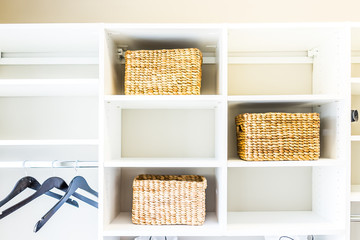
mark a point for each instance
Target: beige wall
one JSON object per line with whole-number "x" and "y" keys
{"x": 21, "y": 11}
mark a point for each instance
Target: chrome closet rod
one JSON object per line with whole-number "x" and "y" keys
{"x": 355, "y": 218}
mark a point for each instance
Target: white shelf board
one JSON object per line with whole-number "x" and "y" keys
{"x": 49, "y": 142}
{"x": 355, "y": 193}
{"x": 49, "y": 61}
{"x": 355, "y": 138}
{"x": 296, "y": 99}
{"x": 279, "y": 223}
{"x": 122, "y": 226}
{"x": 48, "y": 87}
{"x": 164, "y": 162}
{"x": 49, "y": 164}
{"x": 355, "y": 86}
{"x": 315, "y": 163}
{"x": 355, "y": 59}
{"x": 164, "y": 101}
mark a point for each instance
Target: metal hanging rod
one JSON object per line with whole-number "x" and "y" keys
{"x": 276, "y": 57}
{"x": 252, "y": 57}
{"x": 208, "y": 57}
{"x": 355, "y": 218}
{"x": 51, "y": 164}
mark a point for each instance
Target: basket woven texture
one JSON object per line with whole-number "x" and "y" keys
{"x": 168, "y": 199}
{"x": 278, "y": 136}
{"x": 163, "y": 72}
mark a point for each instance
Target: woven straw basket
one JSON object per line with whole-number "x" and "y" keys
{"x": 165, "y": 199}
{"x": 278, "y": 136}
{"x": 163, "y": 72}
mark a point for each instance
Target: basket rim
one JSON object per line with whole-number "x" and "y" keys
{"x": 181, "y": 178}
{"x": 280, "y": 113}
{"x": 163, "y": 49}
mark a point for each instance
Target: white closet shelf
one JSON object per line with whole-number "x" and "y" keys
{"x": 355, "y": 86}
{"x": 316, "y": 163}
{"x": 48, "y": 87}
{"x": 164, "y": 162}
{"x": 355, "y": 138}
{"x": 122, "y": 226}
{"x": 49, "y": 142}
{"x": 355, "y": 193}
{"x": 49, "y": 164}
{"x": 279, "y": 223}
{"x": 165, "y": 101}
{"x": 49, "y": 61}
{"x": 296, "y": 99}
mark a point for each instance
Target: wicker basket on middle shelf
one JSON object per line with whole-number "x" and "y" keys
{"x": 278, "y": 136}
{"x": 169, "y": 199}
{"x": 163, "y": 72}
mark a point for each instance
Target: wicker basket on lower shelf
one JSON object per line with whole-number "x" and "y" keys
{"x": 278, "y": 136}
{"x": 163, "y": 72}
{"x": 169, "y": 199}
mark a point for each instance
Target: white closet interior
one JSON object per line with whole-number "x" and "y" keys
{"x": 62, "y": 98}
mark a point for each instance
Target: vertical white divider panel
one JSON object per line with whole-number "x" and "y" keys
{"x": 221, "y": 191}
{"x": 329, "y": 191}
{"x": 332, "y": 76}
{"x": 112, "y": 178}
{"x": 222, "y": 53}
{"x": 112, "y": 131}
{"x": 345, "y": 123}
{"x": 101, "y": 153}
{"x": 110, "y": 75}
{"x": 223, "y": 128}
{"x": 331, "y": 63}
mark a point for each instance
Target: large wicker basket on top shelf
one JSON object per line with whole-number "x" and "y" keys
{"x": 169, "y": 199}
{"x": 163, "y": 72}
{"x": 278, "y": 136}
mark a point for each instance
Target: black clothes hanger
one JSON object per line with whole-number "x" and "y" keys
{"x": 76, "y": 183}
{"x": 50, "y": 183}
{"x": 32, "y": 183}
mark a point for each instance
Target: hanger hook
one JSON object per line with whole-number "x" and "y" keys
{"x": 52, "y": 167}
{"x": 24, "y": 166}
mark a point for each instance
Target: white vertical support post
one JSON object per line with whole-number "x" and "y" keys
{"x": 345, "y": 122}
{"x": 221, "y": 192}
{"x": 101, "y": 127}
{"x": 332, "y": 76}
{"x": 329, "y": 63}
{"x": 223, "y": 128}
{"x": 343, "y": 125}
{"x": 223, "y": 61}
{"x": 221, "y": 155}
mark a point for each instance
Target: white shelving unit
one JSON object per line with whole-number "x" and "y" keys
{"x": 62, "y": 98}
{"x": 49, "y": 91}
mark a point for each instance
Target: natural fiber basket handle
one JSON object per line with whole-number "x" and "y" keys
{"x": 238, "y": 128}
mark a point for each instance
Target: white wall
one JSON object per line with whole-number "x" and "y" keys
{"x": 19, "y": 11}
